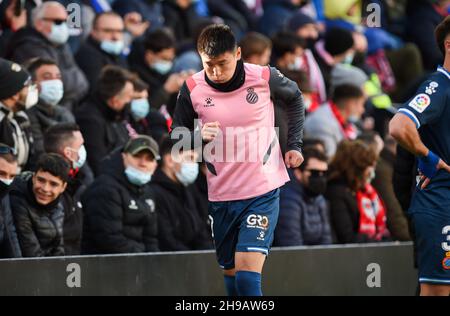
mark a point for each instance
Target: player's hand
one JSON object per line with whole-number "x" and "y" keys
{"x": 426, "y": 180}
{"x": 210, "y": 131}
{"x": 293, "y": 159}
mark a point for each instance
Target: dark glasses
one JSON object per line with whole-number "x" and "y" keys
{"x": 8, "y": 150}
{"x": 56, "y": 21}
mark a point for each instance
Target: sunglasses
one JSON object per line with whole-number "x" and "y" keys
{"x": 317, "y": 173}
{"x": 8, "y": 150}
{"x": 55, "y": 21}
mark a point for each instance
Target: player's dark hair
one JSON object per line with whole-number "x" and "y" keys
{"x": 441, "y": 32}
{"x": 216, "y": 40}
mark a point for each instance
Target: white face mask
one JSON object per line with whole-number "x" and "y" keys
{"x": 82, "y": 155}
{"x": 59, "y": 34}
{"x": 32, "y": 96}
{"x": 188, "y": 173}
{"x": 52, "y": 91}
{"x": 7, "y": 182}
{"x": 162, "y": 66}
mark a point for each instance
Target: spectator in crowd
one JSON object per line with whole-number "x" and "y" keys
{"x": 180, "y": 224}
{"x": 336, "y": 48}
{"x": 9, "y": 244}
{"x": 119, "y": 207}
{"x": 149, "y": 11}
{"x": 103, "y": 118}
{"x": 181, "y": 17}
{"x": 47, "y": 38}
{"x": 430, "y": 14}
{"x": 276, "y": 14}
{"x": 397, "y": 222}
{"x": 154, "y": 65}
{"x": 10, "y": 22}
{"x": 104, "y": 46}
{"x": 333, "y": 121}
{"x": 235, "y": 13}
{"x": 201, "y": 196}
{"x": 304, "y": 218}
{"x": 47, "y": 112}
{"x": 17, "y": 93}
{"x": 256, "y": 48}
{"x": 287, "y": 51}
{"x": 37, "y": 208}
{"x": 356, "y": 210}
{"x": 66, "y": 140}
{"x": 314, "y": 143}
{"x": 145, "y": 119}
{"x": 307, "y": 29}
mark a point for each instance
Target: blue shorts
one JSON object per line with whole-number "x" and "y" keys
{"x": 244, "y": 226}
{"x": 433, "y": 247}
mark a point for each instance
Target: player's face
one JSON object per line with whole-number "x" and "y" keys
{"x": 221, "y": 69}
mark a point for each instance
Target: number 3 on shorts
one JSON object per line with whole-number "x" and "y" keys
{"x": 446, "y": 231}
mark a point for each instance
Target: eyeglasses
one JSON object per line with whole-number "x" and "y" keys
{"x": 8, "y": 150}
{"x": 317, "y": 173}
{"x": 55, "y": 21}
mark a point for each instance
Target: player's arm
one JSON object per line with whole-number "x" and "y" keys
{"x": 403, "y": 129}
{"x": 286, "y": 90}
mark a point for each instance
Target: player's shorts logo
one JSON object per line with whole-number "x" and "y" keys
{"x": 257, "y": 221}
{"x": 252, "y": 97}
{"x": 420, "y": 102}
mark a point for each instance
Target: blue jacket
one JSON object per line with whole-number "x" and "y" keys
{"x": 276, "y": 14}
{"x": 302, "y": 220}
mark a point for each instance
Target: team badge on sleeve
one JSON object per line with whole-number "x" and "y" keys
{"x": 431, "y": 88}
{"x": 420, "y": 102}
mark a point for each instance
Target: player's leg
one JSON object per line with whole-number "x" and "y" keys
{"x": 249, "y": 267}
{"x": 434, "y": 290}
{"x": 256, "y": 231}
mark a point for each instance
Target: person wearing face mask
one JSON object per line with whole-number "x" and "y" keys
{"x": 104, "y": 46}
{"x": 47, "y": 38}
{"x": 358, "y": 214}
{"x": 304, "y": 218}
{"x": 37, "y": 208}
{"x": 119, "y": 207}
{"x": 9, "y": 244}
{"x": 144, "y": 118}
{"x": 104, "y": 117}
{"x": 17, "y": 93}
{"x": 66, "y": 140}
{"x": 334, "y": 120}
{"x": 287, "y": 51}
{"x": 47, "y": 112}
{"x": 181, "y": 224}
{"x": 152, "y": 59}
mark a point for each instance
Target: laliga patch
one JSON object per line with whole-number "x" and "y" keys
{"x": 420, "y": 102}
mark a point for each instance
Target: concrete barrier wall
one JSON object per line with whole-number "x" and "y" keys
{"x": 335, "y": 270}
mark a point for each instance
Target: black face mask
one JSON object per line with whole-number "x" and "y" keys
{"x": 310, "y": 43}
{"x": 317, "y": 185}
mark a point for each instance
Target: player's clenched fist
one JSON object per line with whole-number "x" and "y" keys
{"x": 210, "y": 131}
{"x": 293, "y": 159}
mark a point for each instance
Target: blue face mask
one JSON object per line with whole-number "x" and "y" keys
{"x": 82, "y": 155}
{"x": 112, "y": 47}
{"x": 59, "y": 34}
{"x": 188, "y": 173}
{"x": 140, "y": 108}
{"x": 137, "y": 177}
{"x": 162, "y": 66}
{"x": 52, "y": 91}
{"x": 348, "y": 59}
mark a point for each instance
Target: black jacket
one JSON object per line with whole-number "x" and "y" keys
{"x": 103, "y": 129}
{"x": 153, "y": 125}
{"x": 180, "y": 225}
{"x": 344, "y": 213}
{"x": 42, "y": 116}
{"x": 181, "y": 21}
{"x": 73, "y": 210}
{"x": 28, "y": 43}
{"x": 9, "y": 243}
{"x": 39, "y": 228}
{"x": 119, "y": 217}
{"x": 91, "y": 59}
{"x": 404, "y": 176}
{"x": 303, "y": 220}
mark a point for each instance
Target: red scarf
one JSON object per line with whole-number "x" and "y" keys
{"x": 348, "y": 129}
{"x": 372, "y": 213}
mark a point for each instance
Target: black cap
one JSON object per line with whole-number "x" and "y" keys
{"x": 299, "y": 20}
{"x": 140, "y": 143}
{"x": 13, "y": 78}
{"x": 338, "y": 41}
